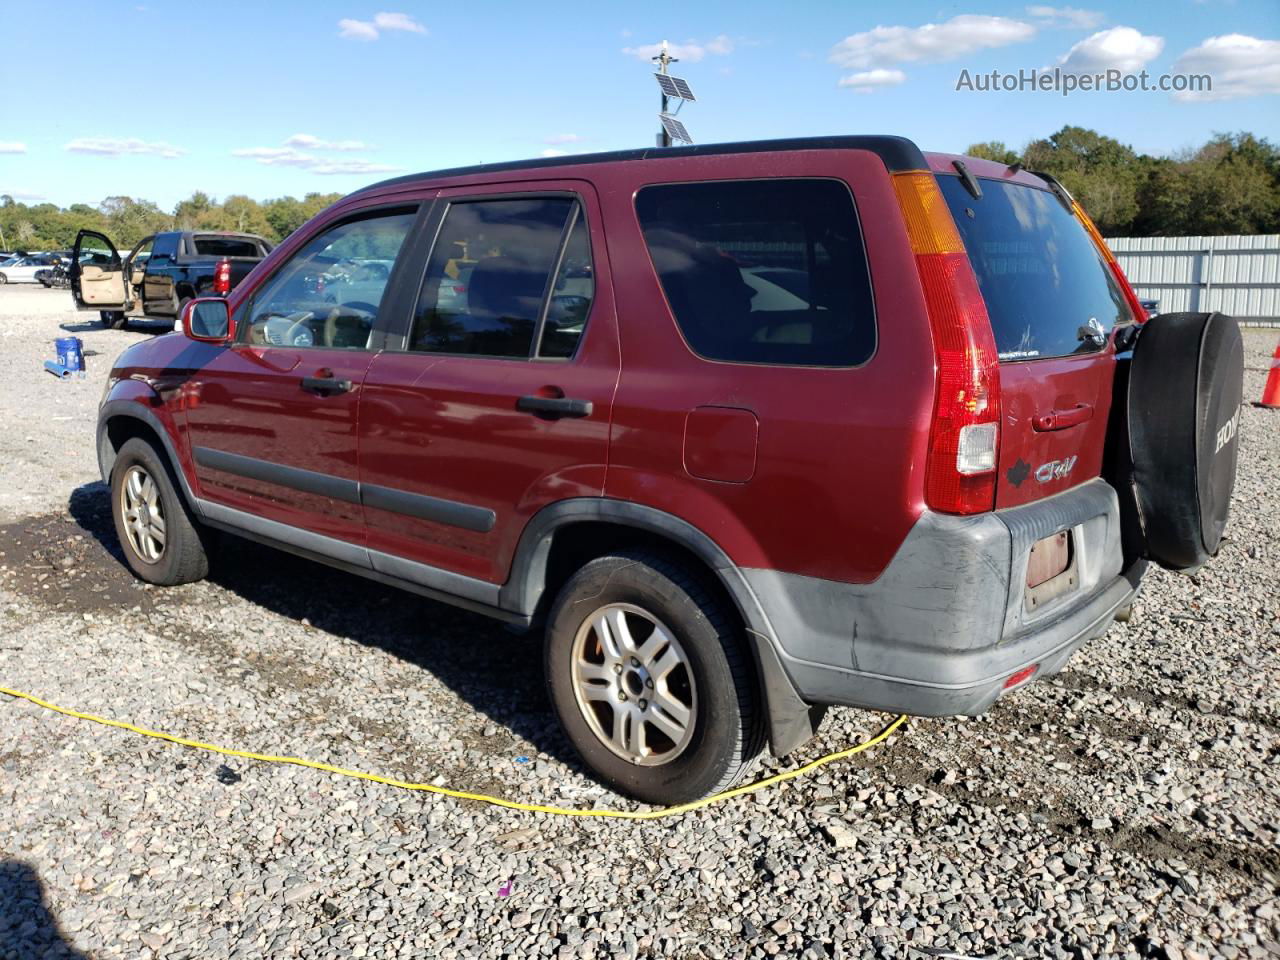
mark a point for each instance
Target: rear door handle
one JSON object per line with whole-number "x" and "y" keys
{"x": 325, "y": 385}
{"x": 1061, "y": 419}
{"x": 555, "y": 406}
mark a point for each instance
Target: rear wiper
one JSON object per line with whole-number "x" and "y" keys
{"x": 1057, "y": 188}
{"x": 968, "y": 179}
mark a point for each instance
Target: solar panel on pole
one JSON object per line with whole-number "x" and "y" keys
{"x": 675, "y": 129}
{"x": 674, "y": 87}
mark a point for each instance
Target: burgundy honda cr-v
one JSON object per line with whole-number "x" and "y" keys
{"x": 747, "y": 429}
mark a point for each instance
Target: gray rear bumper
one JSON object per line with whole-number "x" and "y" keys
{"x": 947, "y": 623}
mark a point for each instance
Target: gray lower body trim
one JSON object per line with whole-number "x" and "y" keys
{"x": 471, "y": 594}
{"x": 947, "y": 621}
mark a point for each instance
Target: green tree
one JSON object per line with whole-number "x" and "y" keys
{"x": 993, "y": 150}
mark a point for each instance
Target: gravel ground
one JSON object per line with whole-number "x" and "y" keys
{"x": 1127, "y": 808}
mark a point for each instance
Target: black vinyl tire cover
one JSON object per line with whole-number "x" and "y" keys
{"x": 1186, "y": 384}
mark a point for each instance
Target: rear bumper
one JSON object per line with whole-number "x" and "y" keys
{"x": 940, "y": 632}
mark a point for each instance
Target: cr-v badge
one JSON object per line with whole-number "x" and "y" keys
{"x": 1054, "y": 469}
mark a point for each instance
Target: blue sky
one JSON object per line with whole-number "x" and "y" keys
{"x": 155, "y": 100}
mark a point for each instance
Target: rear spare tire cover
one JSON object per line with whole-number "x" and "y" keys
{"x": 1185, "y": 388}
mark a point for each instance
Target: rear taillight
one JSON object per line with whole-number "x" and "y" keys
{"x": 222, "y": 277}
{"x": 1135, "y": 306}
{"x": 960, "y": 476}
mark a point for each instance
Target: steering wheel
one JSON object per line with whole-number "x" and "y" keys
{"x": 366, "y": 313}
{"x": 289, "y": 329}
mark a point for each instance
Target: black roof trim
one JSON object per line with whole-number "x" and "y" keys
{"x": 898, "y": 154}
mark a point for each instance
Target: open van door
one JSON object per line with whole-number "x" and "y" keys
{"x": 98, "y": 280}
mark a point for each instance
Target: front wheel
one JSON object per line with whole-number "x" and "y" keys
{"x": 3, "y": 279}
{"x": 649, "y": 676}
{"x": 160, "y": 539}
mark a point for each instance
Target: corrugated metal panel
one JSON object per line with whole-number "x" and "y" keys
{"x": 1239, "y": 276}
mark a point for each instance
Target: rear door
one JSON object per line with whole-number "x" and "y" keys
{"x": 97, "y": 273}
{"x": 1053, "y": 304}
{"x": 496, "y": 400}
{"x": 158, "y": 278}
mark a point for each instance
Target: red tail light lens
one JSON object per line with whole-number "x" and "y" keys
{"x": 222, "y": 277}
{"x": 960, "y": 476}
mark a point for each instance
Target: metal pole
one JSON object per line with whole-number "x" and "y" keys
{"x": 664, "y": 58}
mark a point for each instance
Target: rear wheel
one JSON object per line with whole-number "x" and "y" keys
{"x": 115, "y": 319}
{"x": 3, "y": 279}
{"x": 649, "y": 677}
{"x": 160, "y": 539}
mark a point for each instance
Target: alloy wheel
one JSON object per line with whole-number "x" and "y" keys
{"x": 143, "y": 514}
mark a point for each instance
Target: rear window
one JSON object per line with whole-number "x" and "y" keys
{"x": 226, "y": 247}
{"x": 763, "y": 271}
{"x": 1042, "y": 278}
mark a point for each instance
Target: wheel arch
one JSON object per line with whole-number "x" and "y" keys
{"x": 563, "y": 536}
{"x": 121, "y": 420}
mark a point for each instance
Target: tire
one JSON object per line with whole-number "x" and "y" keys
{"x": 699, "y": 662}
{"x": 3, "y": 279}
{"x": 177, "y": 317}
{"x": 114, "y": 319}
{"x": 181, "y": 556}
{"x": 1186, "y": 384}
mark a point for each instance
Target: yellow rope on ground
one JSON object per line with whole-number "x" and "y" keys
{"x": 462, "y": 794}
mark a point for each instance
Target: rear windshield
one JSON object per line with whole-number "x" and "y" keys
{"x": 226, "y": 247}
{"x": 1042, "y": 278}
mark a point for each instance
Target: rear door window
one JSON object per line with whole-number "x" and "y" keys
{"x": 226, "y": 247}
{"x": 1041, "y": 276}
{"x": 763, "y": 271}
{"x": 507, "y": 278}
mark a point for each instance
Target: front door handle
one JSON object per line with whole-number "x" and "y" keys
{"x": 325, "y": 385}
{"x": 555, "y": 406}
{"x": 1061, "y": 419}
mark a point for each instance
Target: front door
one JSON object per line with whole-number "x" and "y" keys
{"x": 495, "y": 401}
{"x": 272, "y": 417}
{"x": 97, "y": 273}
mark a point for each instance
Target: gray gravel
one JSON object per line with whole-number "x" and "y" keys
{"x": 1128, "y": 808}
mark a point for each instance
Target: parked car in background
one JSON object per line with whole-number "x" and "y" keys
{"x": 743, "y": 430}
{"x": 1152, "y": 307}
{"x": 161, "y": 274}
{"x": 23, "y": 269}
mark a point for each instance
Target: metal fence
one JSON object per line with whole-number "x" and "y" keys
{"x": 1239, "y": 276}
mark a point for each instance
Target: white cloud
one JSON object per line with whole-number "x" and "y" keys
{"x": 289, "y": 157}
{"x": 553, "y": 152}
{"x": 372, "y": 29}
{"x": 868, "y": 81}
{"x": 110, "y": 147}
{"x": 1072, "y": 17}
{"x": 398, "y": 21}
{"x": 309, "y": 142}
{"x": 1241, "y": 66}
{"x": 1120, "y": 48}
{"x": 357, "y": 29}
{"x": 933, "y": 42}
{"x": 12, "y": 146}
{"x": 23, "y": 196}
{"x": 691, "y": 51}
{"x": 562, "y": 138}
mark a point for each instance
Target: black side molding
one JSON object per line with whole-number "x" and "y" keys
{"x": 295, "y": 478}
{"x": 464, "y": 515}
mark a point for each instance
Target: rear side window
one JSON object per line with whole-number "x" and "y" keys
{"x": 1042, "y": 278}
{"x": 507, "y": 278}
{"x": 226, "y": 247}
{"x": 763, "y": 271}
{"x": 166, "y": 245}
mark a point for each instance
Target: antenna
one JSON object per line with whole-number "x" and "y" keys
{"x": 671, "y": 88}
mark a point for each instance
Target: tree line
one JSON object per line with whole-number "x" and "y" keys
{"x": 1230, "y": 185}
{"x": 44, "y": 226}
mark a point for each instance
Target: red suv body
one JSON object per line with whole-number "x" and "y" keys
{"x": 825, "y": 396}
